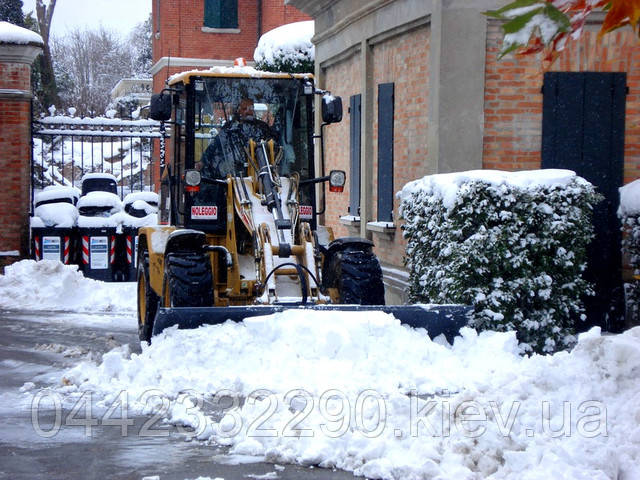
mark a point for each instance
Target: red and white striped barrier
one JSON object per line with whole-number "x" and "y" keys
{"x": 129, "y": 250}
{"x": 112, "y": 250}
{"x": 85, "y": 250}
{"x": 67, "y": 248}
{"x": 37, "y": 248}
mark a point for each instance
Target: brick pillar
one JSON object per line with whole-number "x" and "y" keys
{"x": 18, "y": 49}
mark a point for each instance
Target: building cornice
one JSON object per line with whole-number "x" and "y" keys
{"x": 19, "y": 53}
{"x": 191, "y": 62}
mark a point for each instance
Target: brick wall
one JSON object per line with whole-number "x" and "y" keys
{"x": 15, "y": 118}
{"x": 180, "y": 25}
{"x": 513, "y": 98}
{"x": 341, "y": 79}
{"x": 404, "y": 61}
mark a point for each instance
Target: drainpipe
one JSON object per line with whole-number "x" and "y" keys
{"x": 259, "y": 21}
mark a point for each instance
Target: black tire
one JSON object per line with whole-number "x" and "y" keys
{"x": 188, "y": 280}
{"x": 359, "y": 276}
{"x": 148, "y": 301}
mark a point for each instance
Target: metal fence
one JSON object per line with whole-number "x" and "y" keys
{"x": 67, "y": 148}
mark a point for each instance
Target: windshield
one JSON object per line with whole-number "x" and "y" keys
{"x": 231, "y": 111}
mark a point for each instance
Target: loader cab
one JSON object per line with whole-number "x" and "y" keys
{"x": 214, "y": 116}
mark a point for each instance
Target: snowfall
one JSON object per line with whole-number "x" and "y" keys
{"x": 361, "y": 392}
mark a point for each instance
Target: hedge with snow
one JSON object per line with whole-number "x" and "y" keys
{"x": 287, "y": 48}
{"x": 513, "y": 245}
{"x": 629, "y": 213}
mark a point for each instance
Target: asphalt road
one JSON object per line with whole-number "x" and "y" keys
{"x": 35, "y": 347}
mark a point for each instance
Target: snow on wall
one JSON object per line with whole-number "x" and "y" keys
{"x": 288, "y": 42}
{"x": 446, "y": 185}
{"x": 10, "y": 33}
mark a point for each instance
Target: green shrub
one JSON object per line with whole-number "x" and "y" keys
{"x": 516, "y": 253}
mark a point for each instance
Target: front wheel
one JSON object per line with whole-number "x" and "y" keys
{"x": 188, "y": 281}
{"x": 148, "y": 301}
{"x": 358, "y": 276}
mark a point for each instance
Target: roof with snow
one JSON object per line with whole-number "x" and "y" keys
{"x": 10, "y": 33}
{"x": 231, "y": 72}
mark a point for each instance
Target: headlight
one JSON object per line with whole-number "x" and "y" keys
{"x": 192, "y": 178}
{"x": 337, "y": 179}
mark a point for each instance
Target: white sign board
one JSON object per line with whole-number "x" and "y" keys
{"x": 99, "y": 251}
{"x": 51, "y": 248}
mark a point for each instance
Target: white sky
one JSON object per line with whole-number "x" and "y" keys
{"x": 118, "y": 15}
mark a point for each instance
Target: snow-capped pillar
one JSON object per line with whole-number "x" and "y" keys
{"x": 18, "y": 49}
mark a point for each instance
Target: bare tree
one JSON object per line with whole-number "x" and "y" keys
{"x": 88, "y": 65}
{"x": 44, "y": 14}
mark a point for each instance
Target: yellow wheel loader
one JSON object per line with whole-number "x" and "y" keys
{"x": 239, "y": 233}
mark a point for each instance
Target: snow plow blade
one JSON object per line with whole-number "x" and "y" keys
{"x": 436, "y": 319}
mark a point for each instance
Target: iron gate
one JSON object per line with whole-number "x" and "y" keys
{"x": 64, "y": 149}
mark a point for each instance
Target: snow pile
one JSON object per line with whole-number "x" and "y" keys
{"x": 287, "y": 48}
{"x": 126, "y": 220}
{"x": 630, "y": 199}
{"x": 57, "y": 192}
{"x": 10, "y": 33}
{"x": 61, "y": 215}
{"x": 513, "y": 245}
{"x": 148, "y": 197}
{"x": 101, "y": 199}
{"x": 336, "y": 392}
{"x": 50, "y": 285}
{"x": 446, "y": 186}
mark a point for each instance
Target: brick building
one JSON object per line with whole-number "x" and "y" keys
{"x": 427, "y": 94}
{"x": 199, "y": 34}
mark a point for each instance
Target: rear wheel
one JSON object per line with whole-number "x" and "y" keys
{"x": 359, "y": 276}
{"x": 148, "y": 301}
{"x": 188, "y": 281}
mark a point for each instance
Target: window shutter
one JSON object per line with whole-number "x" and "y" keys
{"x": 385, "y": 152}
{"x": 354, "y": 131}
{"x": 212, "y": 13}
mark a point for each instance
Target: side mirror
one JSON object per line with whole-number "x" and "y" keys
{"x": 331, "y": 109}
{"x": 160, "y": 107}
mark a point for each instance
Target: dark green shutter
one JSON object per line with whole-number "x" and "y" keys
{"x": 385, "y": 152}
{"x": 221, "y": 13}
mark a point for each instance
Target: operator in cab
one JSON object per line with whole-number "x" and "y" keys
{"x": 226, "y": 155}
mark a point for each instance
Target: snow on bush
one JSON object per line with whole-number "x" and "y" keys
{"x": 287, "y": 48}
{"x": 629, "y": 213}
{"x": 513, "y": 245}
{"x": 50, "y": 285}
{"x": 360, "y": 392}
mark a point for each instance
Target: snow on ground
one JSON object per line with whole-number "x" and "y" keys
{"x": 360, "y": 392}
{"x": 50, "y": 285}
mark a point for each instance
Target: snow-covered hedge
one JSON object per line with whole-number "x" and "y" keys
{"x": 629, "y": 213}
{"x": 513, "y": 245}
{"x": 287, "y": 48}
